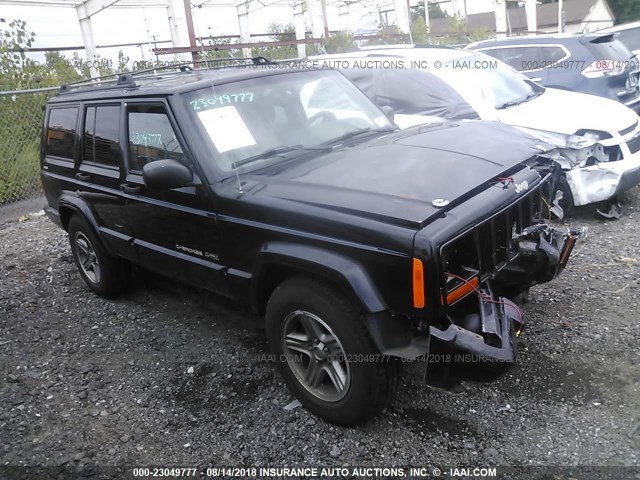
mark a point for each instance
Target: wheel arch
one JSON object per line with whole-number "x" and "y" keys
{"x": 279, "y": 261}
{"x": 70, "y": 205}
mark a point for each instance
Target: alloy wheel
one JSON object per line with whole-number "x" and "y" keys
{"x": 316, "y": 356}
{"x": 87, "y": 258}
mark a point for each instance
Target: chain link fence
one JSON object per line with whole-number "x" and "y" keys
{"x": 21, "y": 119}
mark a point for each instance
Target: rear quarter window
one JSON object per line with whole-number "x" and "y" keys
{"x": 61, "y": 132}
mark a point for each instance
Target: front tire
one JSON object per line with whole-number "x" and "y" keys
{"x": 105, "y": 275}
{"x": 325, "y": 353}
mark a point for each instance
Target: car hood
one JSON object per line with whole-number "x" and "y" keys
{"x": 397, "y": 177}
{"x": 567, "y": 112}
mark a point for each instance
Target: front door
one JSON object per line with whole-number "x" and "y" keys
{"x": 176, "y": 231}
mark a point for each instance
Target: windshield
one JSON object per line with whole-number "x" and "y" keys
{"x": 495, "y": 82}
{"x": 266, "y": 119}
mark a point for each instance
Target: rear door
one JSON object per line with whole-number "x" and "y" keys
{"x": 176, "y": 230}
{"x": 523, "y": 58}
{"x": 99, "y": 173}
{"x": 558, "y": 70}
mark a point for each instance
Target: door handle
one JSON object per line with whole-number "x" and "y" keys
{"x": 127, "y": 188}
{"x": 85, "y": 177}
{"x": 536, "y": 79}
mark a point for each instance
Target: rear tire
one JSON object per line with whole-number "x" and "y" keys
{"x": 325, "y": 353}
{"x": 105, "y": 275}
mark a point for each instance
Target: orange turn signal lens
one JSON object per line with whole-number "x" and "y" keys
{"x": 418, "y": 284}
{"x": 463, "y": 290}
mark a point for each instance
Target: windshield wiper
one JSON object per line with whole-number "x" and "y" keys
{"x": 513, "y": 103}
{"x": 359, "y": 131}
{"x": 275, "y": 152}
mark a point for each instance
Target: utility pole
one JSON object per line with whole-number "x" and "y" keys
{"x": 560, "y": 16}
{"x": 243, "y": 25}
{"x": 301, "y": 32}
{"x": 177, "y": 25}
{"x": 530, "y": 7}
{"x": 426, "y": 14}
{"x": 502, "y": 27}
{"x": 314, "y": 7}
{"x": 401, "y": 8}
{"x": 192, "y": 36}
{"x": 325, "y": 22}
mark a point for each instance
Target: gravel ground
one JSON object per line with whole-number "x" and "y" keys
{"x": 168, "y": 375}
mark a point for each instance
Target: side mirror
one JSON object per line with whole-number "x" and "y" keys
{"x": 166, "y": 174}
{"x": 388, "y": 111}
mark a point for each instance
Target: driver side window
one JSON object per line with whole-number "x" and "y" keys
{"x": 151, "y": 136}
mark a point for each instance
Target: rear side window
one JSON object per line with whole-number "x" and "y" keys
{"x": 151, "y": 136}
{"x": 518, "y": 58}
{"x": 551, "y": 54}
{"x": 61, "y": 132}
{"x": 101, "y": 143}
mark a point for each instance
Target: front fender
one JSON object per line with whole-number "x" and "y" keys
{"x": 333, "y": 266}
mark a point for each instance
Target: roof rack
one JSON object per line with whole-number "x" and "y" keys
{"x": 127, "y": 79}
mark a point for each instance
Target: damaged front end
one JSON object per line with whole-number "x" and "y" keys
{"x": 597, "y": 166}
{"x": 469, "y": 330}
{"x": 484, "y": 269}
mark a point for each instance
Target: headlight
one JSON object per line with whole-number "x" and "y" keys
{"x": 576, "y": 149}
{"x": 583, "y": 138}
{"x": 595, "y": 134}
{"x": 577, "y": 141}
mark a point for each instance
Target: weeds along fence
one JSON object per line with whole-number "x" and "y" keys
{"x": 21, "y": 119}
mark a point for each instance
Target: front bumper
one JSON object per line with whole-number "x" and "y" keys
{"x": 490, "y": 336}
{"x": 604, "y": 180}
{"x": 483, "y": 326}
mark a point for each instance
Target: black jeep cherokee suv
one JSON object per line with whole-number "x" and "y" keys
{"x": 291, "y": 192}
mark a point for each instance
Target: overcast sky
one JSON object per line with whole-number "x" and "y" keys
{"x": 58, "y": 26}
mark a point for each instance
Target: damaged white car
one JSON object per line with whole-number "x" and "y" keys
{"x": 599, "y": 139}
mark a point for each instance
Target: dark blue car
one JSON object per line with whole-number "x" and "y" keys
{"x": 594, "y": 63}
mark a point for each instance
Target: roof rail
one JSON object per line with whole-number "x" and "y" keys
{"x": 127, "y": 79}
